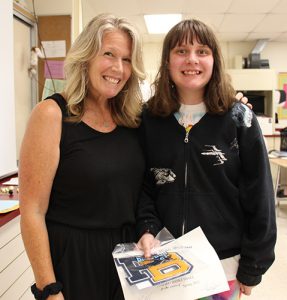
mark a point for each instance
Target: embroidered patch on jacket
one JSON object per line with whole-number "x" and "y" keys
{"x": 234, "y": 144}
{"x": 217, "y": 153}
{"x": 163, "y": 175}
{"x": 242, "y": 115}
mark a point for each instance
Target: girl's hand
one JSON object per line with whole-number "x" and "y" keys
{"x": 245, "y": 289}
{"x": 146, "y": 243}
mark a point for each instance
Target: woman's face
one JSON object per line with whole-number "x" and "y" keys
{"x": 190, "y": 68}
{"x": 111, "y": 68}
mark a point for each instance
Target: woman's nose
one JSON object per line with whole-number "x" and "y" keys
{"x": 118, "y": 65}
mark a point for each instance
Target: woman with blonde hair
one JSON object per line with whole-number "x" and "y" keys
{"x": 81, "y": 166}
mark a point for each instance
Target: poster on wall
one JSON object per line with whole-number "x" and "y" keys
{"x": 282, "y": 98}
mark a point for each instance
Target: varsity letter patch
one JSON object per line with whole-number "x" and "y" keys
{"x": 159, "y": 268}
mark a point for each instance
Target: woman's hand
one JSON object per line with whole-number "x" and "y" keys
{"x": 240, "y": 97}
{"x": 146, "y": 243}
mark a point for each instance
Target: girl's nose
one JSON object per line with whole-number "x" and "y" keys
{"x": 192, "y": 58}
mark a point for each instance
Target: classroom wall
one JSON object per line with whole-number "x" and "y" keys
{"x": 52, "y": 7}
{"x": 274, "y": 51}
{"x": 62, "y": 7}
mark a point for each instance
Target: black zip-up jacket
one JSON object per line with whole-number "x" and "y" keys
{"x": 217, "y": 177}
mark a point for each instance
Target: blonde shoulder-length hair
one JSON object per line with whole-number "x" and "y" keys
{"x": 126, "y": 105}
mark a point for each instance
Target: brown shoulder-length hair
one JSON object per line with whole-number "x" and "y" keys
{"x": 127, "y": 104}
{"x": 219, "y": 93}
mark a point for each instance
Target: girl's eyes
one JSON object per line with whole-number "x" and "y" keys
{"x": 203, "y": 51}
{"x": 181, "y": 51}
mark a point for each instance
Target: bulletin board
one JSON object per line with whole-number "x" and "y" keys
{"x": 52, "y": 28}
{"x": 282, "y": 85}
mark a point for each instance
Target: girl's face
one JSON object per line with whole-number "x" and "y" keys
{"x": 190, "y": 68}
{"x": 111, "y": 68}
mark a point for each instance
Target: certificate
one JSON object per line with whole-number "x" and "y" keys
{"x": 186, "y": 268}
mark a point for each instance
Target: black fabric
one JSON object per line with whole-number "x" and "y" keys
{"x": 82, "y": 261}
{"x": 99, "y": 177}
{"x": 92, "y": 206}
{"x": 223, "y": 184}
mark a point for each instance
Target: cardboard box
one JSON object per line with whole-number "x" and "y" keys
{"x": 265, "y": 125}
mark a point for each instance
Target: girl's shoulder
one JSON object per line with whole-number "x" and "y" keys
{"x": 241, "y": 114}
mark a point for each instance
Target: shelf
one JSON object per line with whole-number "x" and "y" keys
{"x": 253, "y": 79}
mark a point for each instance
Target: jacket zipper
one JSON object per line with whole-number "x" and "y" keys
{"x": 185, "y": 184}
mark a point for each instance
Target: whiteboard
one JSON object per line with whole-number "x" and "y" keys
{"x": 8, "y": 163}
{"x": 22, "y": 81}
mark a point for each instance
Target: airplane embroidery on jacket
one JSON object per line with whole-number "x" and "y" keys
{"x": 234, "y": 144}
{"x": 220, "y": 158}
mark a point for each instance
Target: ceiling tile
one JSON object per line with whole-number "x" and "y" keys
{"x": 281, "y": 38}
{"x": 231, "y": 18}
{"x": 273, "y": 22}
{"x": 250, "y": 7}
{"x": 213, "y": 21}
{"x": 160, "y": 6}
{"x": 231, "y": 36}
{"x": 206, "y": 6}
{"x": 280, "y": 7}
{"x": 240, "y": 22}
{"x": 262, "y": 35}
{"x": 119, "y": 8}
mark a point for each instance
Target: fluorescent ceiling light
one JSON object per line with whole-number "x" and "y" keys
{"x": 159, "y": 24}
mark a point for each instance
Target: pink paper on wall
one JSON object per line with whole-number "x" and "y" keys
{"x": 285, "y": 89}
{"x": 54, "y": 69}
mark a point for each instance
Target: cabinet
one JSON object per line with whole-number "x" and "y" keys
{"x": 16, "y": 274}
{"x": 260, "y": 82}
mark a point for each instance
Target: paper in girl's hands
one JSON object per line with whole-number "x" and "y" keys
{"x": 187, "y": 267}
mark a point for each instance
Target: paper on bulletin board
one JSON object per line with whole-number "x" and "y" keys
{"x": 54, "y": 69}
{"x": 54, "y": 48}
{"x": 205, "y": 277}
{"x": 52, "y": 86}
{"x": 12, "y": 181}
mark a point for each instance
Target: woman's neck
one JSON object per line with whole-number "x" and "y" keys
{"x": 97, "y": 104}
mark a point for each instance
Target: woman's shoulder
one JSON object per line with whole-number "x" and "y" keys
{"x": 47, "y": 110}
{"x": 60, "y": 100}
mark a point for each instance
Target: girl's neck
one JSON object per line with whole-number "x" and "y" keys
{"x": 191, "y": 98}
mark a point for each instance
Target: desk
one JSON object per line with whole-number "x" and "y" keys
{"x": 279, "y": 163}
{"x": 5, "y": 218}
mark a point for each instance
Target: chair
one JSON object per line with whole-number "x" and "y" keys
{"x": 280, "y": 192}
{"x": 283, "y": 139}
